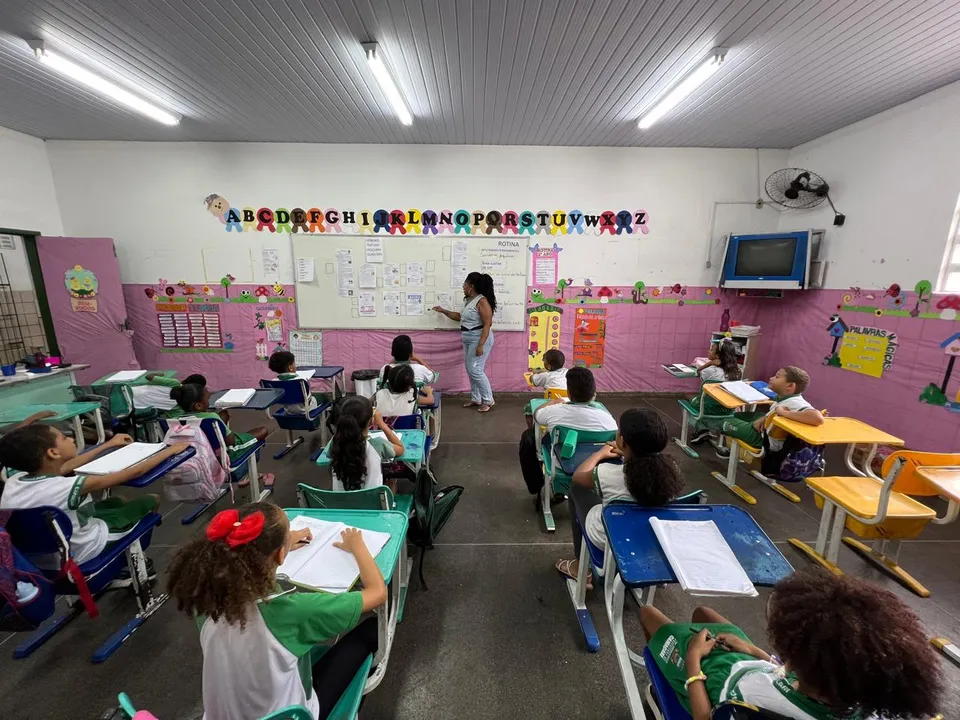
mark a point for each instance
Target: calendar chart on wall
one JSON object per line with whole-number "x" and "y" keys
{"x": 393, "y": 282}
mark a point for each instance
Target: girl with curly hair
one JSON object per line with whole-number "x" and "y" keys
{"x": 259, "y": 643}
{"x": 355, "y": 457}
{"x": 847, "y": 649}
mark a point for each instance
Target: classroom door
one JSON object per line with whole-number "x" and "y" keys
{"x": 81, "y": 277}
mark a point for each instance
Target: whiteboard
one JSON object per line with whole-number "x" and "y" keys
{"x": 419, "y": 271}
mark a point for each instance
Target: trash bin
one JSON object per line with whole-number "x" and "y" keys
{"x": 365, "y": 382}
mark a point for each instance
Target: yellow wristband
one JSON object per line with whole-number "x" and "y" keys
{"x": 700, "y": 677}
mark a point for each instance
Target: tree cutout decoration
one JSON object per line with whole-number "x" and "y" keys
{"x": 639, "y": 293}
{"x": 227, "y": 281}
{"x": 923, "y": 290}
{"x": 563, "y": 284}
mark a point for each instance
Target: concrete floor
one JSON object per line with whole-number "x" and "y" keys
{"x": 495, "y": 636}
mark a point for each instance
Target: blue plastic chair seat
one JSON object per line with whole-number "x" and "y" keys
{"x": 143, "y": 531}
{"x": 670, "y": 706}
{"x": 298, "y": 421}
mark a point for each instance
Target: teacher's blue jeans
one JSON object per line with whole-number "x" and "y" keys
{"x": 480, "y": 390}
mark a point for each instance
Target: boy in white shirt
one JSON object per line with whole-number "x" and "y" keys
{"x": 553, "y": 377}
{"x": 582, "y": 412}
{"x": 756, "y": 428}
{"x": 47, "y": 459}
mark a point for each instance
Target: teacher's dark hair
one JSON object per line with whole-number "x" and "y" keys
{"x": 348, "y": 450}
{"x": 652, "y": 478}
{"x": 483, "y": 284}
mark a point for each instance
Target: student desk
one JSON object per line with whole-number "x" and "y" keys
{"x": 64, "y": 411}
{"x": 947, "y": 482}
{"x": 842, "y": 431}
{"x": 414, "y": 442}
{"x": 432, "y": 411}
{"x": 162, "y": 469}
{"x": 142, "y": 380}
{"x": 31, "y": 388}
{"x": 394, "y": 566}
{"x": 634, "y": 559}
{"x": 332, "y": 374}
{"x": 731, "y": 402}
{"x": 262, "y": 399}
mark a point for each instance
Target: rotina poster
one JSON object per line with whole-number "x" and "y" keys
{"x": 543, "y": 333}
{"x": 867, "y": 350}
{"x": 589, "y": 332}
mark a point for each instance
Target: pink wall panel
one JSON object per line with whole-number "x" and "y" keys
{"x": 640, "y": 338}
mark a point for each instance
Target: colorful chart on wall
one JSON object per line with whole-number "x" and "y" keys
{"x": 307, "y": 347}
{"x": 543, "y": 324}
{"x": 865, "y": 350}
{"x": 589, "y": 334}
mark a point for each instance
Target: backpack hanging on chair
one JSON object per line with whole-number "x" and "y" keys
{"x": 26, "y": 595}
{"x": 197, "y": 479}
{"x": 432, "y": 507}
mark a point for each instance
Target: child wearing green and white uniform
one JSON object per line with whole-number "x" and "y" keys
{"x": 356, "y": 456}
{"x": 721, "y": 366}
{"x": 261, "y": 646}
{"x": 155, "y": 395}
{"x": 553, "y": 377}
{"x": 851, "y": 651}
{"x": 47, "y": 460}
{"x": 284, "y": 364}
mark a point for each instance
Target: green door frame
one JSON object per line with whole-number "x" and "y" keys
{"x": 43, "y": 303}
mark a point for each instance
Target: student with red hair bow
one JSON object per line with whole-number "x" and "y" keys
{"x": 258, "y": 641}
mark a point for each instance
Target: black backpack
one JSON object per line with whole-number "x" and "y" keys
{"x": 530, "y": 464}
{"x": 432, "y": 507}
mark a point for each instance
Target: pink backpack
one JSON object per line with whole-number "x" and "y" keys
{"x": 198, "y": 479}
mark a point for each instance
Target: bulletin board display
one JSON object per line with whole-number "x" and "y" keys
{"x": 392, "y": 282}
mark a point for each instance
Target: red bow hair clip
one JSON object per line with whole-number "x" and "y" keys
{"x": 228, "y": 526}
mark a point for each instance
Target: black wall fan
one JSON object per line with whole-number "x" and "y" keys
{"x": 800, "y": 189}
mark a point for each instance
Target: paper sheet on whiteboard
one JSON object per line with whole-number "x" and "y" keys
{"x": 305, "y": 269}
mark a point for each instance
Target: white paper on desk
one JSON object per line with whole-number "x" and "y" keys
{"x": 701, "y": 558}
{"x": 322, "y": 566}
{"x": 742, "y": 391}
{"x": 235, "y": 398}
{"x": 126, "y": 456}
{"x": 306, "y": 374}
{"x": 126, "y": 376}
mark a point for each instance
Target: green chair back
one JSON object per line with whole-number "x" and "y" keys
{"x": 378, "y": 498}
{"x": 294, "y": 712}
{"x": 567, "y": 438}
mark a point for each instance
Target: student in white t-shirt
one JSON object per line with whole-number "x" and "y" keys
{"x": 847, "y": 650}
{"x": 258, "y": 642}
{"x": 399, "y": 395}
{"x": 46, "y": 459}
{"x": 581, "y": 412}
{"x": 402, "y": 351}
{"x": 646, "y": 476}
{"x": 756, "y": 428}
{"x": 721, "y": 366}
{"x": 553, "y": 377}
{"x": 355, "y": 455}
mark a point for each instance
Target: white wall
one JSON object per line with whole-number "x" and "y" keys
{"x": 27, "y": 199}
{"x": 149, "y": 197}
{"x": 896, "y": 176}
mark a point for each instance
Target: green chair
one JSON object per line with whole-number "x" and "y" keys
{"x": 693, "y": 412}
{"x": 378, "y": 498}
{"x": 563, "y": 446}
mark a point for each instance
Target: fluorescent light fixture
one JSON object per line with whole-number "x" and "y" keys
{"x": 104, "y": 87}
{"x": 683, "y": 88}
{"x": 385, "y": 80}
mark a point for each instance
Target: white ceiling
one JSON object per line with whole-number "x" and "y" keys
{"x": 532, "y": 72}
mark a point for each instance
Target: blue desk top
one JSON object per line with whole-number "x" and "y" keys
{"x": 413, "y": 441}
{"x": 261, "y": 400}
{"x": 156, "y": 473}
{"x": 582, "y": 452}
{"x": 388, "y": 521}
{"x": 323, "y": 372}
{"x": 436, "y": 401}
{"x": 641, "y": 561}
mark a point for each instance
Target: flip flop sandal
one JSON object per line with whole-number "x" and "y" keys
{"x": 486, "y": 408}
{"x": 267, "y": 480}
{"x": 563, "y": 567}
{"x": 470, "y": 404}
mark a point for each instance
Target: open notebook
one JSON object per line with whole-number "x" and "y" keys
{"x": 320, "y": 565}
{"x": 235, "y": 398}
{"x": 742, "y": 391}
{"x": 126, "y": 376}
{"x": 701, "y": 559}
{"x": 121, "y": 459}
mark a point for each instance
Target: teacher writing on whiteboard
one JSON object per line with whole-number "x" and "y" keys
{"x": 476, "y": 319}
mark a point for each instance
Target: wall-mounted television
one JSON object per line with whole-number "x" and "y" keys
{"x": 771, "y": 261}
